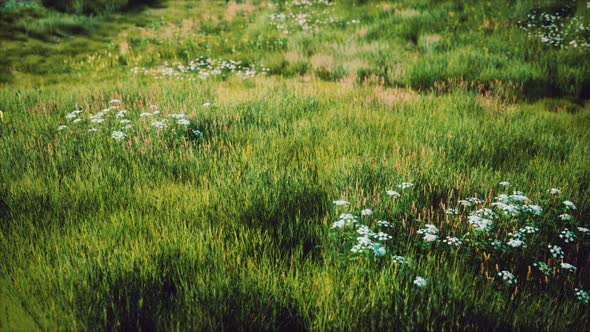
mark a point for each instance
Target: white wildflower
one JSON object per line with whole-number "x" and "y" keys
{"x": 567, "y": 236}
{"x": 118, "y": 135}
{"x": 159, "y": 124}
{"x": 568, "y": 267}
{"x": 393, "y": 193}
{"x": 452, "y": 241}
{"x": 366, "y": 212}
{"x": 507, "y": 276}
{"x": 420, "y": 282}
{"x": 556, "y": 251}
{"x": 569, "y": 205}
{"x": 399, "y": 260}
{"x": 405, "y": 185}
{"x": 337, "y": 203}
{"x": 515, "y": 243}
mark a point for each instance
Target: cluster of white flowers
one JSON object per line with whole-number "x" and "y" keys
{"x": 582, "y": 296}
{"x": 429, "y": 233}
{"x": 305, "y": 15}
{"x": 202, "y": 68}
{"x": 385, "y": 223}
{"x": 567, "y": 235}
{"x": 420, "y": 282}
{"x": 544, "y": 268}
{"x": 366, "y": 212}
{"x": 516, "y": 204}
{"x": 118, "y": 124}
{"x": 518, "y": 238}
{"x": 346, "y": 219}
{"x": 557, "y": 29}
{"x": 480, "y": 217}
{"x": 451, "y": 211}
{"x": 405, "y": 185}
{"x": 568, "y": 267}
{"x": 393, "y": 194}
{"x": 453, "y": 241}
{"x": 399, "y": 260}
{"x": 507, "y": 277}
{"x": 569, "y": 205}
{"x": 556, "y": 251}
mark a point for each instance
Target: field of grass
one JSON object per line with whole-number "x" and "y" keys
{"x": 295, "y": 165}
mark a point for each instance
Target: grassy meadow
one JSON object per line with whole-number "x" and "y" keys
{"x": 294, "y": 165}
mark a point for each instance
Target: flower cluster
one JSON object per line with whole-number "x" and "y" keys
{"x": 116, "y": 121}
{"x": 509, "y": 222}
{"x": 305, "y": 15}
{"x": 557, "y": 28}
{"x": 507, "y": 277}
{"x": 429, "y": 233}
{"x": 202, "y": 68}
{"x": 582, "y": 296}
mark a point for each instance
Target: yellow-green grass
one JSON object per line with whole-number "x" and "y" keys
{"x": 232, "y": 228}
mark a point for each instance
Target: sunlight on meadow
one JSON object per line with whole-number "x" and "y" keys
{"x": 294, "y": 165}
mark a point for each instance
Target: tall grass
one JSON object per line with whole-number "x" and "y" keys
{"x": 226, "y": 222}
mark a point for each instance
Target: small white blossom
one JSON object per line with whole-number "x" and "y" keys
{"x": 384, "y": 223}
{"x": 399, "y": 260}
{"x": 481, "y": 224}
{"x": 582, "y": 296}
{"x": 341, "y": 202}
{"x": 544, "y": 268}
{"x": 159, "y": 124}
{"x": 366, "y": 212}
{"x": 118, "y": 135}
{"x": 465, "y": 203}
{"x": 567, "y": 236}
{"x": 183, "y": 122}
{"x": 508, "y": 277}
{"x": 569, "y": 205}
{"x": 451, "y": 211}
{"x": 177, "y": 116}
{"x": 554, "y": 191}
{"x": 556, "y": 251}
{"x": 420, "y": 282}
{"x": 430, "y": 237}
{"x": 62, "y": 127}
{"x": 515, "y": 243}
{"x": 568, "y": 267}
{"x": 382, "y": 236}
{"x": 505, "y": 183}
{"x": 452, "y": 241}
{"x": 393, "y": 193}
{"x": 405, "y": 185}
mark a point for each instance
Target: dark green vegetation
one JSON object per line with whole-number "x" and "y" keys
{"x": 226, "y": 222}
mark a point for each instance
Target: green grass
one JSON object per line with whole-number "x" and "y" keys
{"x": 232, "y": 229}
